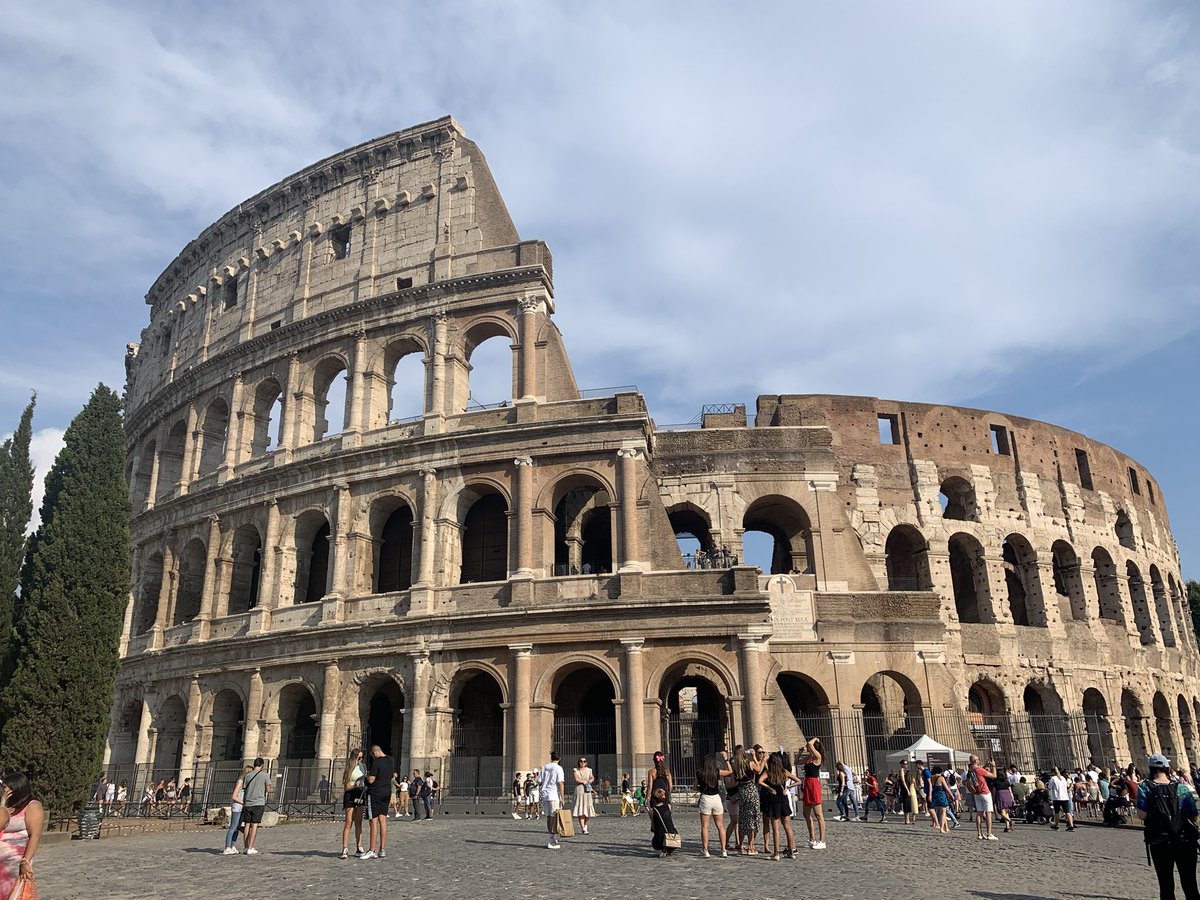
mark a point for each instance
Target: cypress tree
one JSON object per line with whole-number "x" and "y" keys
{"x": 74, "y": 588}
{"x": 16, "y": 506}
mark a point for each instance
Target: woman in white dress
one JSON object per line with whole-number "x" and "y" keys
{"x": 584, "y": 804}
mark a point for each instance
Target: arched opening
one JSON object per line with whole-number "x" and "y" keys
{"x": 1135, "y": 731}
{"x": 485, "y": 539}
{"x": 809, "y": 706}
{"x": 1141, "y": 606}
{"x": 190, "y": 592}
{"x": 1187, "y": 728}
{"x": 297, "y": 725}
{"x": 957, "y": 499}
{"x": 585, "y": 720}
{"x": 1181, "y": 609}
{"x": 1108, "y": 591}
{"x": 405, "y": 367}
{"x": 693, "y": 534}
{"x": 140, "y": 492}
{"x": 265, "y": 417}
{"x": 989, "y": 723}
{"x": 907, "y": 560}
{"x": 214, "y": 429}
{"x": 1049, "y": 727}
{"x": 1101, "y": 748}
{"x": 392, "y": 531}
{"x": 312, "y": 557}
{"x": 247, "y": 569}
{"x": 968, "y": 577}
{"x": 788, "y": 533}
{"x": 170, "y": 461}
{"x": 125, "y": 734}
{"x": 892, "y": 719}
{"x": 477, "y": 737}
{"x": 1124, "y": 530}
{"x": 1162, "y": 606}
{"x": 489, "y": 368}
{"x": 228, "y": 727}
{"x": 1162, "y": 726}
{"x": 168, "y": 746}
{"x": 1068, "y": 583}
{"x": 1021, "y": 581}
{"x": 146, "y": 610}
{"x": 382, "y": 716}
{"x": 331, "y": 412}
{"x": 582, "y": 528}
{"x": 695, "y": 723}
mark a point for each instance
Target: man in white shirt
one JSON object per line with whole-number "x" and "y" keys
{"x": 551, "y": 788}
{"x": 1060, "y": 797}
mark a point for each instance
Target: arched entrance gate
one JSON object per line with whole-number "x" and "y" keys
{"x": 695, "y": 720}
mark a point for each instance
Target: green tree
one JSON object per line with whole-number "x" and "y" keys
{"x": 16, "y": 506}
{"x": 1193, "y": 589}
{"x": 74, "y": 587}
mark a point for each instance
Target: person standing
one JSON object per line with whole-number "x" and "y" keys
{"x": 415, "y": 785}
{"x": 939, "y": 799}
{"x": 812, "y": 756}
{"x": 254, "y": 803}
{"x": 402, "y": 797}
{"x": 977, "y": 785}
{"x": 659, "y": 776}
{"x": 1060, "y": 797}
{"x": 708, "y": 782}
{"x": 907, "y": 793}
{"x": 430, "y": 796}
{"x": 235, "y": 814}
{"x": 532, "y": 803}
{"x": 1168, "y": 811}
{"x": 661, "y": 823}
{"x": 379, "y": 795}
{"x": 775, "y": 778}
{"x": 872, "y": 798}
{"x": 745, "y": 771}
{"x": 585, "y": 781}
{"x": 185, "y": 796}
{"x": 122, "y": 797}
{"x": 552, "y": 793}
{"x": 22, "y": 820}
{"x": 354, "y": 782}
{"x": 627, "y": 797}
{"x": 110, "y": 797}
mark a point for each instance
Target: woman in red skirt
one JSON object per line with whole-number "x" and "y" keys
{"x": 812, "y": 757}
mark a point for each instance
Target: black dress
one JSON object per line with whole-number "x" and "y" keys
{"x": 661, "y": 822}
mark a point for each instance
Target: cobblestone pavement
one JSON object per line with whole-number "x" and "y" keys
{"x": 482, "y": 857}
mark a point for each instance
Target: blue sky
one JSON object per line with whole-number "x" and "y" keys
{"x": 991, "y": 205}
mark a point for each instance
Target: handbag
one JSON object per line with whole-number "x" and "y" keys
{"x": 563, "y": 826}
{"x": 24, "y": 889}
{"x": 671, "y": 839}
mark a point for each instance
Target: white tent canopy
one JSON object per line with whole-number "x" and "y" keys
{"x": 923, "y": 746}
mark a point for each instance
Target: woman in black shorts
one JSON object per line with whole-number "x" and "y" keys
{"x": 353, "y": 785}
{"x": 775, "y": 780}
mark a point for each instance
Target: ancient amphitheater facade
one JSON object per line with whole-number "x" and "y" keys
{"x": 470, "y": 586}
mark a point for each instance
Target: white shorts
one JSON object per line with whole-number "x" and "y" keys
{"x": 983, "y": 803}
{"x": 550, "y": 807}
{"x": 710, "y": 805}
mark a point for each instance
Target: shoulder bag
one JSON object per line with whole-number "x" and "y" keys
{"x": 671, "y": 839}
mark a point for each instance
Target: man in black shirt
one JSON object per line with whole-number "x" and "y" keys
{"x": 379, "y": 798}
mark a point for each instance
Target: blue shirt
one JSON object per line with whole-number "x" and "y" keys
{"x": 1187, "y": 800}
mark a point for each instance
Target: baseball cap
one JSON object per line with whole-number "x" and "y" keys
{"x": 1158, "y": 761}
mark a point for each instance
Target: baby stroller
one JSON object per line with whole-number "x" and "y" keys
{"x": 1116, "y": 808}
{"x": 1037, "y": 807}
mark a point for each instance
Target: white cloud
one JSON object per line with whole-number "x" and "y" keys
{"x": 43, "y": 449}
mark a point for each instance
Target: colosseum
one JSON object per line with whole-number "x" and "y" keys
{"x": 317, "y": 565}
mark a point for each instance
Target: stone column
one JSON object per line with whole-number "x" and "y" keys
{"x": 428, "y": 539}
{"x": 339, "y": 565}
{"x": 329, "y": 702}
{"x": 135, "y": 582}
{"x": 166, "y": 593}
{"x": 521, "y": 690}
{"x": 289, "y": 412}
{"x": 635, "y": 729}
{"x": 152, "y": 490}
{"x": 233, "y": 433}
{"x": 523, "y": 475}
{"x": 752, "y": 647}
{"x": 142, "y": 754}
{"x": 530, "y": 308}
{"x": 190, "y": 456}
{"x": 253, "y": 727}
{"x": 187, "y": 758}
{"x": 436, "y": 403}
{"x": 356, "y": 388}
{"x": 418, "y": 713}
{"x": 212, "y": 586}
{"x": 268, "y": 582}
{"x": 628, "y": 469}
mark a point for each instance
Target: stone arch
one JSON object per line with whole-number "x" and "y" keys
{"x": 1123, "y": 528}
{"x": 583, "y": 523}
{"x": 985, "y": 700}
{"x": 170, "y": 461}
{"x": 330, "y": 388}
{"x": 483, "y": 545}
{"x": 787, "y": 523}
{"x": 298, "y": 710}
{"x": 1163, "y": 732}
{"x": 313, "y": 571}
{"x": 1135, "y": 733}
{"x": 1141, "y": 604}
{"x": 692, "y": 527}
{"x": 1068, "y": 580}
{"x": 551, "y": 679}
{"x": 956, "y": 496}
{"x": 1108, "y": 589}
{"x": 393, "y": 535}
{"x": 485, "y": 379}
{"x": 1021, "y": 581}
{"x": 125, "y": 730}
{"x": 381, "y": 705}
{"x": 1187, "y": 728}
{"x": 145, "y": 610}
{"x": 265, "y": 417}
{"x": 1101, "y": 747}
{"x": 189, "y": 592}
{"x": 969, "y": 578}
{"x": 168, "y": 747}
{"x": 893, "y": 717}
{"x": 228, "y": 719}
{"x": 1048, "y": 725}
{"x": 477, "y": 696}
{"x": 585, "y": 716}
{"x": 214, "y": 432}
{"x": 808, "y": 703}
{"x": 990, "y": 722}
{"x": 246, "y": 573}
{"x": 140, "y": 493}
{"x": 1162, "y": 606}
{"x": 695, "y": 716}
{"x": 907, "y": 555}
{"x": 403, "y": 368}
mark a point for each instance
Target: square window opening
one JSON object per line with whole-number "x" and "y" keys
{"x": 402, "y": 283}
{"x": 1150, "y": 491}
{"x": 1000, "y": 443}
{"x": 1133, "y": 482}
{"x": 889, "y": 429}
{"x": 229, "y": 292}
{"x": 276, "y": 324}
{"x": 339, "y": 239}
{"x": 1085, "y": 469}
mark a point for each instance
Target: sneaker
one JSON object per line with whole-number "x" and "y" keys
{"x": 370, "y": 854}
{"x": 515, "y": 816}
{"x": 1070, "y": 828}
{"x": 553, "y": 845}
{"x": 810, "y": 844}
{"x": 991, "y": 837}
{"x": 359, "y": 852}
{"x": 585, "y": 831}
{"x": 344, "y": 855}
{"x": 251, "y": 851}
{"x": 230, "y": 851}
{"x": 724, "y": 853}
{"x": 819, "y": 845}
{"x": 704, "y": 853}
{"x": 382, "y": 854}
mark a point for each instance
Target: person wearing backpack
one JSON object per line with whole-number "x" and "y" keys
{"x": 1168, "y": 811}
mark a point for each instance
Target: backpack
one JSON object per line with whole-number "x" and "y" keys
{"x": 973, "y": 782}
{"x": 1164, "y": 815}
